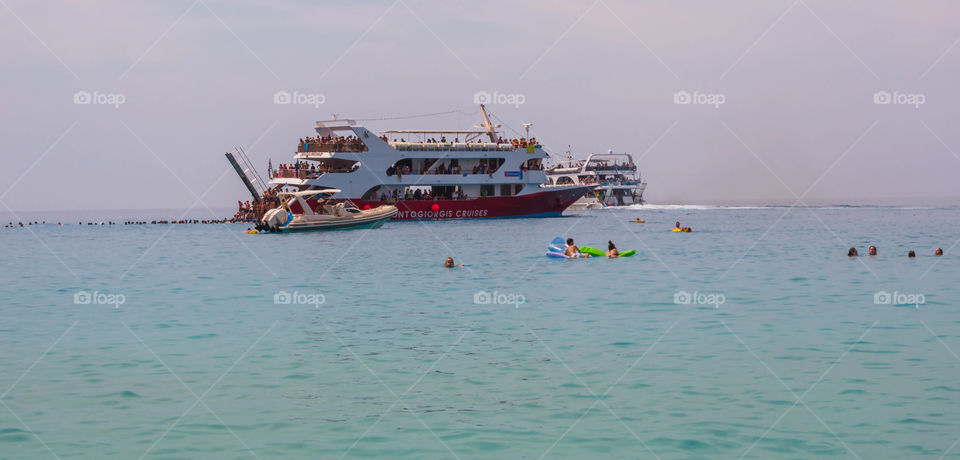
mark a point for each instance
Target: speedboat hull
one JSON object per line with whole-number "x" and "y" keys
{"x": 370, "y": 218}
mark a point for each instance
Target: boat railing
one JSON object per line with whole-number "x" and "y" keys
{"x": 331, "y": 147}
{"x": 305, "y": 173}
{"x": 458, "y": 146}
{"x": 612, "y": 168}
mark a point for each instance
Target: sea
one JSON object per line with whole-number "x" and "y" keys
{"x": 752, "y": 337}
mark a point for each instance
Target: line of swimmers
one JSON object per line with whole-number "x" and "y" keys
{"x": 872, "y": 251}
{"x": 132, "y": 222}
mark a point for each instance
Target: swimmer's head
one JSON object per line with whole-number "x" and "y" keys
{"x": 911, "y": 254}
{"x": 610, "y": 245}
{"x": 678, "y": 224}
{"x": 872, "y": 251}
{"x": 448, "y": 263}
{"x": 569, "y": 241}
{"x": 852, "y": 252}
{"x": 938, "y": 252}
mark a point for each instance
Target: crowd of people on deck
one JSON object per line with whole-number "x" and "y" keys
{"x": 304, "y": 170}
{"x": 517, "y": 142}
{"x": 488, "y": 167}
{"x": 408, "y": 195}
{"x": 252, "y": 211}
{"x": 336, "y": 144}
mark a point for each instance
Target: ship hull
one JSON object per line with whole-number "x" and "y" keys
{"x": 545, "y": 203}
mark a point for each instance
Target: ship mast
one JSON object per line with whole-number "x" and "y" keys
{"x": 491, "y": 131}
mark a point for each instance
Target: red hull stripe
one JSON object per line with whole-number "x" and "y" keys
{"x": 544, "y": 203}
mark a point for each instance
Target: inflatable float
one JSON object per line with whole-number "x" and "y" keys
{"x": 599, "y": 253}
{"x": 557, "y": 248}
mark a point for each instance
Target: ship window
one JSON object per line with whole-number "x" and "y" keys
{"x": 505, "y": 189}
{"x": 372, "y": 194}
{"x": 517, "y": 188}
{"x": 486, "y": 190}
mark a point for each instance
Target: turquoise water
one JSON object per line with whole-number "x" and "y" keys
{"x": 384, "y": 353}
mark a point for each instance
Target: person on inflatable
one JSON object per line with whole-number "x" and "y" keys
{"x": 572, "y": 250}
{"x": 612, "y": 252}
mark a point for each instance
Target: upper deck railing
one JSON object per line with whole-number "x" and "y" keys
{"x": 462, "y": 147}
{"x": 303, "y": 173}
{"x": 331, "y": 147}
{"x": 612, "y": 168}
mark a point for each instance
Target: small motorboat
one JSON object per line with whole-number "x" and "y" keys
{"x": 296, "y": 213}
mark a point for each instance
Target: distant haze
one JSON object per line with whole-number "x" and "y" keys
{"x": 855, "y": 101}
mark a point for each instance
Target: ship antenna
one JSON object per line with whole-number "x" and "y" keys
{"x": 527, "y": 126}
{"x": 487, "y": 124}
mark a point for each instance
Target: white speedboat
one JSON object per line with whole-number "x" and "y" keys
{"x": 311, "y": 210}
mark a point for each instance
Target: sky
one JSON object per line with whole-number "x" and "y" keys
{"x": 131, "y": 104}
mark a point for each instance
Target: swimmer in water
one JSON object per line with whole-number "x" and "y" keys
{"x": 852, "y": 252}
{"x": 911, "y": 254}
{"x": 938, "y": 252}
{"x": 572, "y": 250}
{"x": 449, "y": 263}
{"x": 872, "y": 251}
{"x": 612, "y": 252}
{"x": 677, "y": 225}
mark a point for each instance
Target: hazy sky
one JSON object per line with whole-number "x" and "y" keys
{"x": 797, "y": 81}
